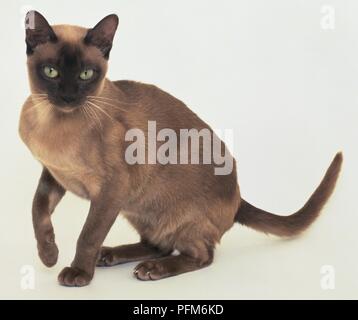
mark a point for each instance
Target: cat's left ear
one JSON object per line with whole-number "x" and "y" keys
{"x": 38, "y": 31}
{"x": 101, "y": 36}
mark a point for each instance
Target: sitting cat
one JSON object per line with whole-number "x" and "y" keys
{"x": 75, "y": 123}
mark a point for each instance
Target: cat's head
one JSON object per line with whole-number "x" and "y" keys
{"x": 68, "y": 63}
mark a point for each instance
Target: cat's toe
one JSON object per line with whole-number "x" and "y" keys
{"x": 74, "y": 277}
{"x": 105, "y": 258}
{"x": 150, "y": 270}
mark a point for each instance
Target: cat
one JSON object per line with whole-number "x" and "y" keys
{"x": 75, "y": 122}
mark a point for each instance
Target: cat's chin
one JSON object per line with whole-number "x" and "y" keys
{"x": 66, "y": 109}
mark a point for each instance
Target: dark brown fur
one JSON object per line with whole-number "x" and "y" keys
{"x": 173, "y": 207}
{"x": 289, "y": 226}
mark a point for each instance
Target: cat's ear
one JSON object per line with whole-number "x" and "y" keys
{"x": 38, "y": 31}
{"x": 101, "y": 36}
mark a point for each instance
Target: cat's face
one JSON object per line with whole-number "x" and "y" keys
{"x": 67, "y": 63}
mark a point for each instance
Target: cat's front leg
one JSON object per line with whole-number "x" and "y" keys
{"x": 102, "y": 214}
{"x": 49, "y": 192}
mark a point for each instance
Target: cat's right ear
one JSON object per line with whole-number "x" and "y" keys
{"x": 38, "y": 31}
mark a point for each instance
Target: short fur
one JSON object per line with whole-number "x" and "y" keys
{"x": 76, "y": 130}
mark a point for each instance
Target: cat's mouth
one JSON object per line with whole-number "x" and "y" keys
{"x": 66, "y": 104}
{"x": 66, "y": 109}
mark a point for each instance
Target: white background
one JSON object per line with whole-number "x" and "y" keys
{"x": 266, "y": 69}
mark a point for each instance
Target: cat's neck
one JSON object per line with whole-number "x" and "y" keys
{"x": 110, "y": 90}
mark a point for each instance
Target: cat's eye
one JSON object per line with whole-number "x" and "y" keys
{"x": 86, "y": 74}
{"x": 50, "y": 72}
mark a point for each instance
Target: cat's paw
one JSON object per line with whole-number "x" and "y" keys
{"x": 74, "y": 277}
{"x": 150, "y": 270}
{"x": 48, "y": 253}
{"x": 106, "y": 257}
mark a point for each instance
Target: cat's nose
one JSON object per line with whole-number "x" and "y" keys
{"x": 69, "y": 99}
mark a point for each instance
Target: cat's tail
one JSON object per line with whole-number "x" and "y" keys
{"x": 294, "y": 224}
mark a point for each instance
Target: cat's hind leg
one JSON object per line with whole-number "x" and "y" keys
{"x": 196, "y": 251}
{"x": 111, "y": 256}
{"x": 171, "y": 265}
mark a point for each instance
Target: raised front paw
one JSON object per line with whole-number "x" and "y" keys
{"x": 48, "y": 253}
{"x": 74, "y": 277}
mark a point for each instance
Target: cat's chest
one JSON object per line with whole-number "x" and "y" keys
{"x": 53, "y": 146}
{"x": 63, "y": 151}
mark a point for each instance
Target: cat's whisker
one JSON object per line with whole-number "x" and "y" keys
{"x": 88, "y": 116}
{"x": 114, "y": 100}
{"x": 36, "y": 105}
{"x": 106, "y": 98}
{"x": 83, "y": 110}
{"x": 100, "y": 109}
{"x": 94, "y": 115}
{"x": 38, "y": 97}
{"x": 46, "y": 110}
{"x": 36, "y": 100}
{"x": 108, "y": 104}
{"x": 40, "y": 103}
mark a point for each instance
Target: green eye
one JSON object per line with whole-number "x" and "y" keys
{"x": 86, "y": 74}
{"x": 50, "y": 72}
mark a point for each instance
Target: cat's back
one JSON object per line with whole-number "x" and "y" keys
{"x": 130, "y": 88}
{"x": 141, "y": 92}
{"x": 155, "y": 103}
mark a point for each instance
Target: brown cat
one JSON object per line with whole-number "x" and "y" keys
{"x": 75, "y": 123}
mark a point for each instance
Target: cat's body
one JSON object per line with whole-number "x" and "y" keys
{"x": 67, "y": 145}
{"x": 77, "y": 129}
